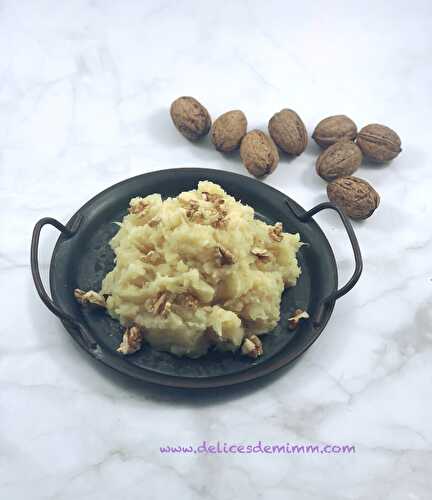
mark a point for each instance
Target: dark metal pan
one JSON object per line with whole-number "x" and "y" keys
{"x": 82, "y": 257}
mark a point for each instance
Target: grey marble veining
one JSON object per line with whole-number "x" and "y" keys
{"x": 85, "y": 88}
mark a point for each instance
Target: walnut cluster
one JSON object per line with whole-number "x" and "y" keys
{"x": 344, "y": 146}
{"x": 345, "y": 149}
{"x": 258, "y": 151}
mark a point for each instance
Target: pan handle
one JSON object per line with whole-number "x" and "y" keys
{"x": 34, "y": 261}
{"x": 305, "y": 217}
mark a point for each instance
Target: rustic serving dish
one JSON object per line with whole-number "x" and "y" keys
{"x": 82, "y": 257}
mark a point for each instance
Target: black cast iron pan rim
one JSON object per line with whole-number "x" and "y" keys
{"x": 85, "y": 339}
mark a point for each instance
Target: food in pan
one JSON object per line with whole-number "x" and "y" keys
{"x": 195, "y": 272}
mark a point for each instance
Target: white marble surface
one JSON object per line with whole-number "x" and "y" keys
{"x": 85, "y": 88}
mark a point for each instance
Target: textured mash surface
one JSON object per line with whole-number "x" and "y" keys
{"x": 198, "y": 270}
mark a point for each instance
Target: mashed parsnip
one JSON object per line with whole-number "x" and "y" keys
{"x": 198, "y": 270}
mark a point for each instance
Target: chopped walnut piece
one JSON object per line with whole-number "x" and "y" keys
{"x": 222, "y": 212}
{"x": 162, "y": 304}
{"x": 187, "y": 300}
{"x": 275, "y": 232}
{"x": 151, "y": 257}
{"x": 213, "y": 198}
{"x": 132, "y": 340}
{"x": 138, "y": 206}
{"x": 154, "y": 222}
{"x": 206, "y": 196}
{"x": 193, "y": 212}
{"x": 223, "y": 256}
{"x": 90, "y": 297}
{"x": 192, "y": 206}
{"x": 220, "y": 223}
{"x": 261, "y": 254}
{"x": 298, "y": 315}
{"x": 252, "y": 347}
{"x": 197, "y": 217}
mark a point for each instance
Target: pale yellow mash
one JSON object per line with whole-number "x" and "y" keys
{"x": 198, "y": 270}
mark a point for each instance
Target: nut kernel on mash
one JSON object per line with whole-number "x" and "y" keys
{"x": 198, "y": 271}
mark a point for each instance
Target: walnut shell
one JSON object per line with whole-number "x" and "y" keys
{"x": 190, "y": 118}
{"x": 259, "y": 153}
{"x": 333, "y": 129}
{"x": 339, "y": 160}
{"x": 356, "y": 197}
{"x": 228, "y": 130}
{"x": 378, "y": 142}
{"x": 288, "y": 131}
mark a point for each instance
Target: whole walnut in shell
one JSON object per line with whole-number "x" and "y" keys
{"x": 356, "y": 197}
{"x": 259, "y": 153}
{"x": 288, "y": 131}
{"x": 333, "y": 129}
{"x": 228, "y": 130}
{"x": 378, "y": 142}
{"x": 339, "y": 160}
{"x": 190, "y": 118}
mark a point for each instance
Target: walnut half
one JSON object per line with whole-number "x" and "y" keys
{"x": 90, "y": 297}
{"x": 252, "y": 347}
{"x": 132, "y": 340}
